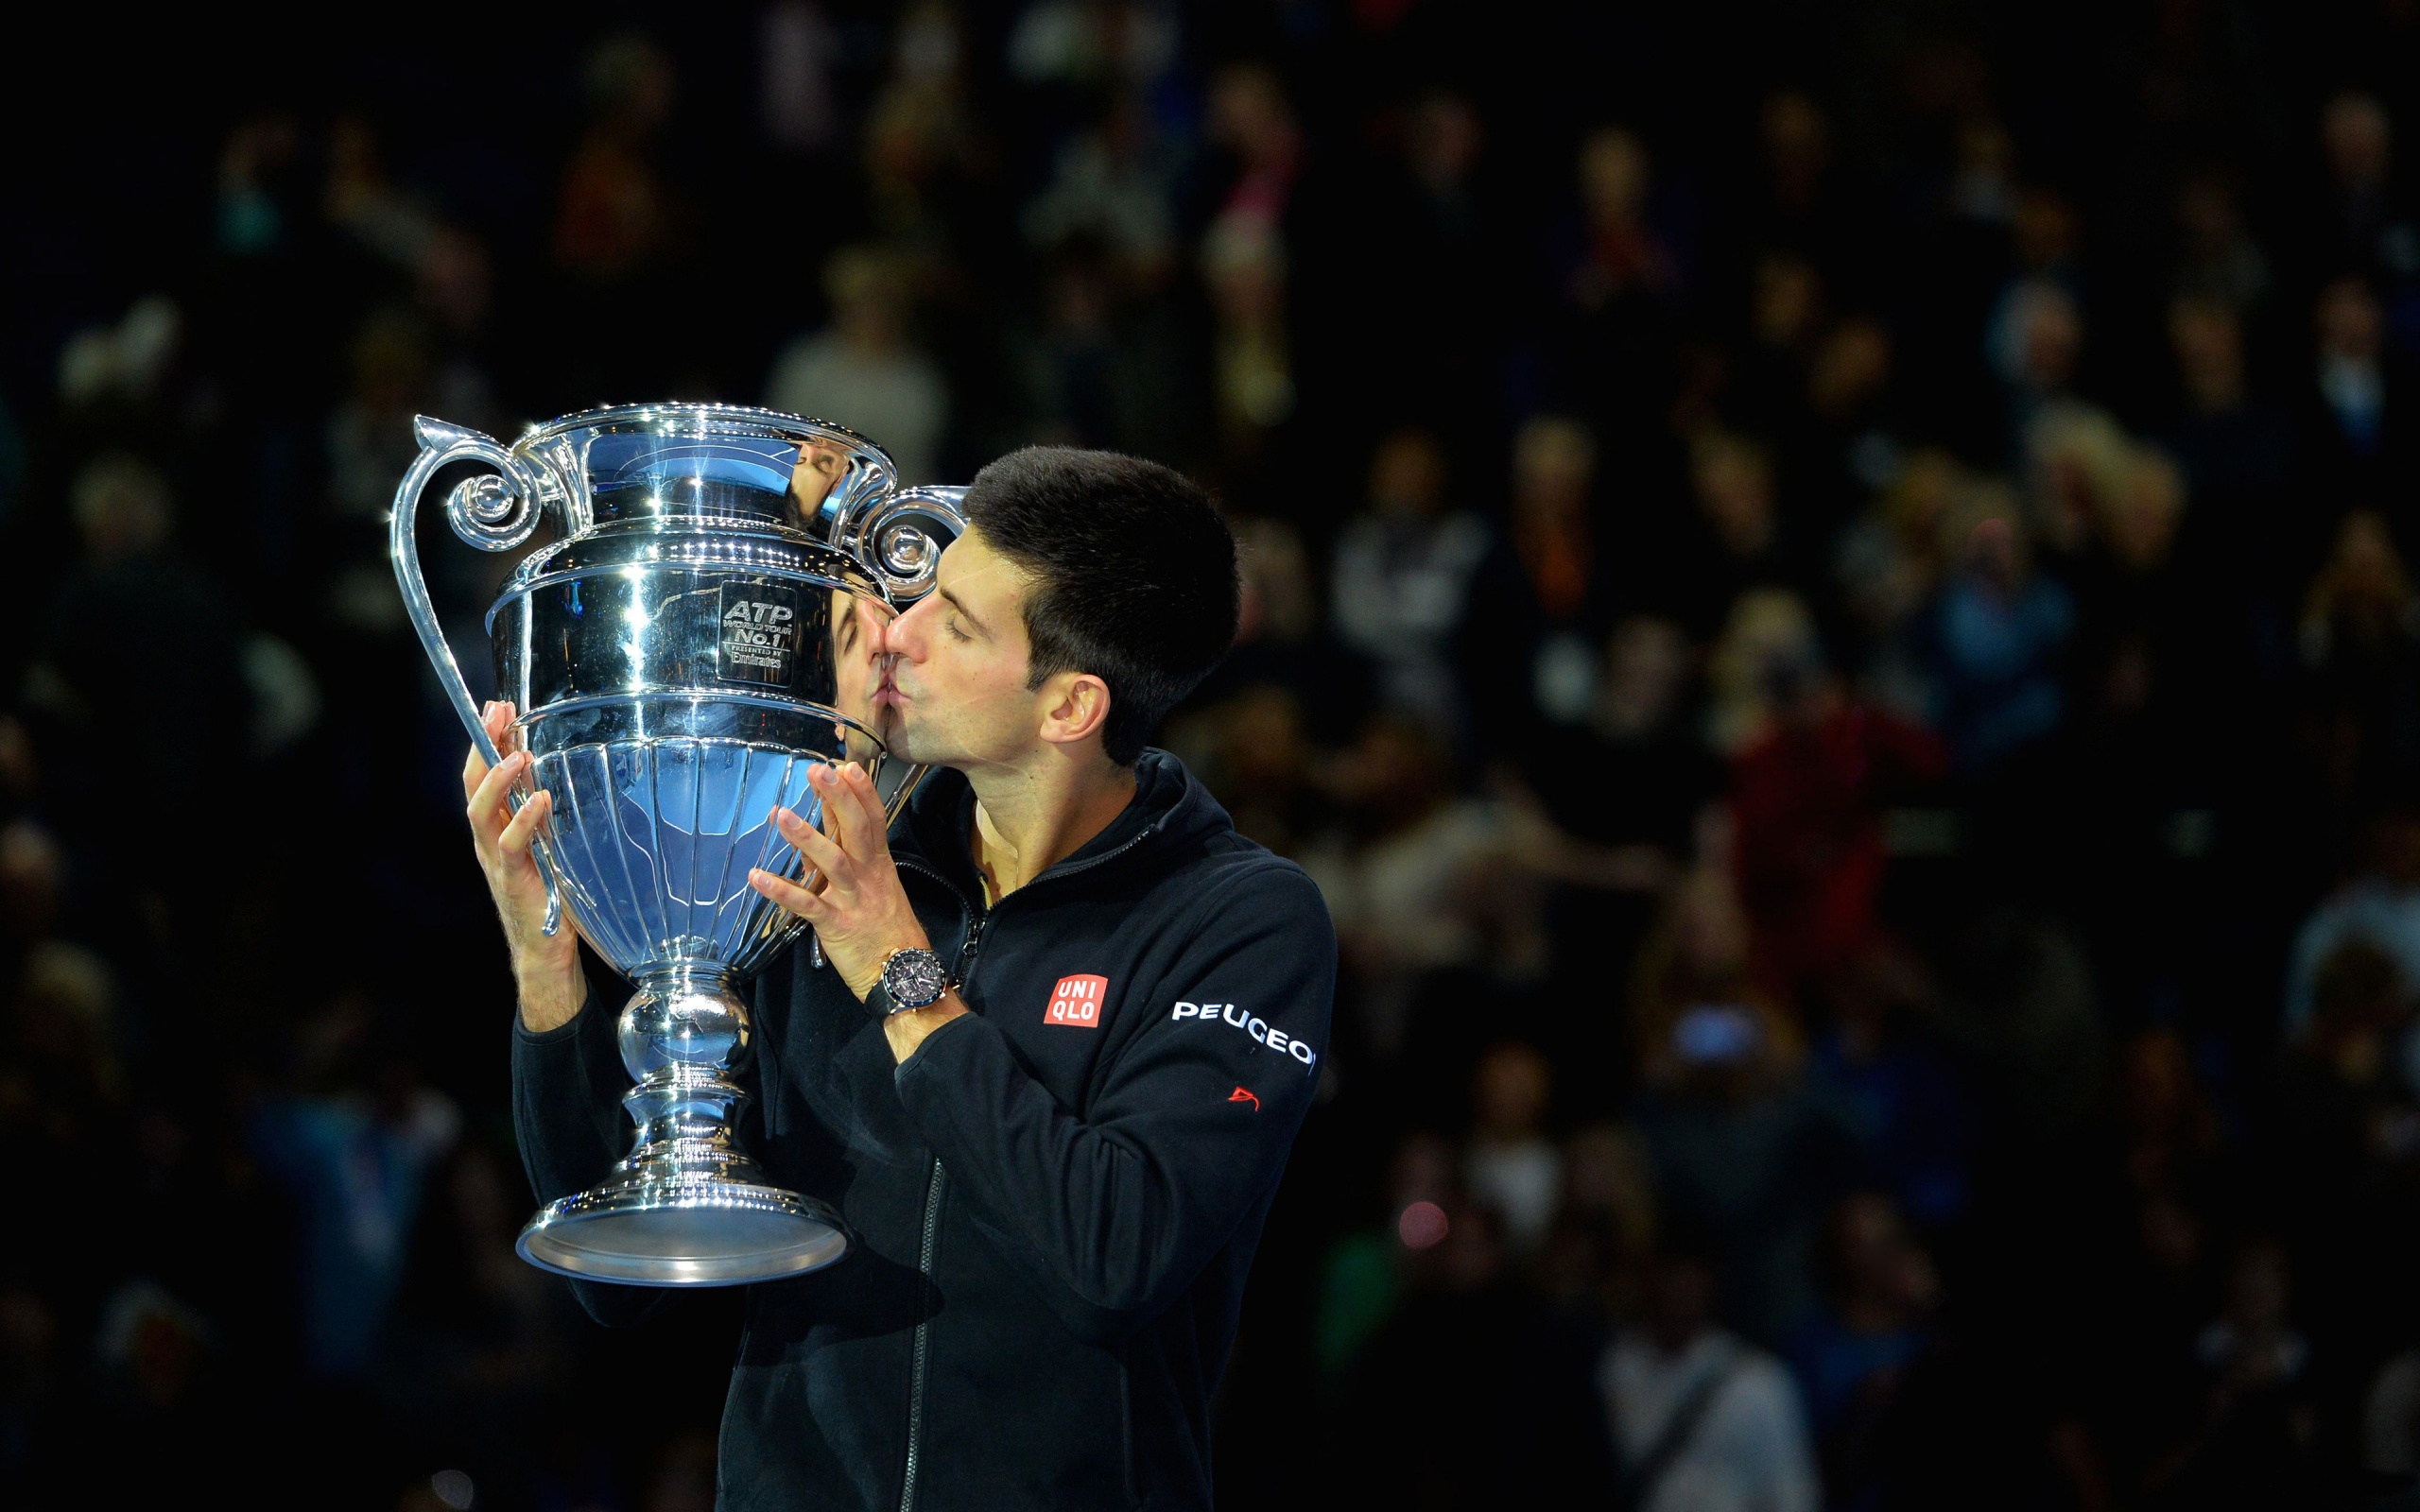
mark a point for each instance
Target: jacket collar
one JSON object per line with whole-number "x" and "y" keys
{"x": 1168, "y": 808}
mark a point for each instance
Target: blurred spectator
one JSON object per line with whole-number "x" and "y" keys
{"x": 1510, "y": 1165}
{"x": 1361, "y": 1283}
{"x": 2350, "y": 438}
{"x": 1738, "y": 542}
{"x": 1617, "y": 278}
{"x": 2255, "y": 1440}
{"x": 2364, "y": 226}
{"x": 2361, "y": 651}
{"x": 171, "y": 637}
{"x": 356, "y": 1150}
{"x": 1994, "y": 638}
{"x": 1701, "y": 1419}
{"x": 798, "y": 49}
{"x": 1403, "y": 580}
{"x": 1543, "y": 596}
{"x": 1882, "y": 1063}
{"x": 1852, "y": 1356}
{"x": 862, "y": 370}
{"x": 1243, "y": 265}
{"x": 616, "y": 216}
{"x": 1113, "y": 183}
{"x": 1469, "y": 1392}
{"x": 2218, "y": 262}
{"x": 1743, "y": 1151}
{"x": 1889, "y": 565}
{"x": 2236, "y": 450}
{"x": 2380, "y": 908}
{"x": 1808, "y": 791}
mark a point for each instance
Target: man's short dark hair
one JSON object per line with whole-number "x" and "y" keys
{"x": 1133, "y": 576}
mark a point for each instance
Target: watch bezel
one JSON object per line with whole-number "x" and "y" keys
{"x": 928, "y": 969}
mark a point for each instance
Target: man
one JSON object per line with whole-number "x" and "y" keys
{"x": 1067, "y": 1025}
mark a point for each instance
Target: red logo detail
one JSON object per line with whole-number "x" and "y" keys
{"x": 1077, "y": 1002}
{"x": 1241, "y": 1096}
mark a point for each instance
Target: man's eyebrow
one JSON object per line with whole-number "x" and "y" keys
{"x": 958, "y": 605}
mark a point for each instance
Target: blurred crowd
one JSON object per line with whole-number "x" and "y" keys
{"x": 1829, "y": 600}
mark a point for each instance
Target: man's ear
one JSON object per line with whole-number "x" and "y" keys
{"x": 1073, "y": 707}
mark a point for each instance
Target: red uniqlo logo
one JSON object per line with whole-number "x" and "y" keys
{"x": 1075, "y": 1001}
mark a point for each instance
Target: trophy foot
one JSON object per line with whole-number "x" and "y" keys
{"x": 688, "y": 1206}
{"x": 641, "y": 1231}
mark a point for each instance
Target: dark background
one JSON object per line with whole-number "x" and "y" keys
{"x": 1828, "y": 600}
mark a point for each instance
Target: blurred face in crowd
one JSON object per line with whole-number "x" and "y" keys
{"x": 1735, "y": 491}
{"x": 1441, "y": 143}
{"x": 121, "y": 509}
{"x": 1407, "y": 477}
{"x": 1997, "y": 552}
{"x": 2351, "y": 325}
{"x": 1646, "y": 664}
{"x": 2357, "y": 136}
{"x": 1249, "y": 117}
{"x": 955, "y": 694}
{"x": 1553, "y": 463}
{"x": 2139, "y": 522}
{"x": 1789, "y": 301}
{"x": 1888, "y": 1279}
{"x": 1680, "y": 1301}
{"x": 1798, "y": 147}
{"x": 2207, "y": 338}
{"x": 2045, "y": 229}
{"x": 1510, "y": 1091}
{"x": 2048, "y": 339}
{"x": 2207, "y": 215}
{"x": 1851, "y": 368}
{"x": 1613, "y": 176}
{"x": 868, "y": 295}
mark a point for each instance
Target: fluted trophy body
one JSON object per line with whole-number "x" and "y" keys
{"x": 702, "y": 630}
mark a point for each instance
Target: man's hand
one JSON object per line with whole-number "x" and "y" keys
{"x": 852, "y": 897}
{"x": 547, "y": 971}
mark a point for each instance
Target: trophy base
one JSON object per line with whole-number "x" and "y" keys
{"x": 645, "y": 1232}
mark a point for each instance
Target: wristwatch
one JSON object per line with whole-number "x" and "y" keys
{"x": 912, "y": 978}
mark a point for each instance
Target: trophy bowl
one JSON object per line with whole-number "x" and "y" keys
{"x": 701, "y": 631}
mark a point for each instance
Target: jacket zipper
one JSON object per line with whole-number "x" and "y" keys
{"x": 924, "y": 1327}
{"x": 967, "y": 955}
{"x": 932, "y": 1226}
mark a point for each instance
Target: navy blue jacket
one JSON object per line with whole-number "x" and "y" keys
{"x": 1052, "y": 1204}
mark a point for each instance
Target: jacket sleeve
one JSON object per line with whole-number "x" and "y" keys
{"x": 567, "y": 1086}
{"x": 1118, "y": 1208}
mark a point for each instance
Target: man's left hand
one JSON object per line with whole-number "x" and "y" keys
{"x": 855, "y": 901}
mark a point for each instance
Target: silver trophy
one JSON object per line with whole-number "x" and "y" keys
{"x": 702, "y": 631}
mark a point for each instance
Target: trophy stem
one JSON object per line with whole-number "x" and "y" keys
{"x": 687, "y": 1206}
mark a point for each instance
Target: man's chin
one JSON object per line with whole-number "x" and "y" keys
{"x": 902, "y": 739}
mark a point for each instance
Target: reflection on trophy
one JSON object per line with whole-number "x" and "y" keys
{"x": 702, "y": 631}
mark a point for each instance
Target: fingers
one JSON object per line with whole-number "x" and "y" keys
{"x": 497, "y": 719}
{"x": 789, "y": 895}
{"x": 518, "y": 833}
{"x": 849, "y": 799}
{"x": 822, "y": 851}
{"x": 488, "y": 816}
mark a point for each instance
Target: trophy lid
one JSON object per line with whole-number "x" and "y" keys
{"x": 679, "y": 467}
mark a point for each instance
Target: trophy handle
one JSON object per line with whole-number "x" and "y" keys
{"x": 493, "y": 513}
{"x": 901, "y": 537}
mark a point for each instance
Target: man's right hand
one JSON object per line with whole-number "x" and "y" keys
{"x": 547, "y": 971}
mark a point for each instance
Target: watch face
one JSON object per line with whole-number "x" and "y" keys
{"x": 914, "y": 979}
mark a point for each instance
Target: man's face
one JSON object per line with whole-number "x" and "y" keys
{"x": 956, "y": 693}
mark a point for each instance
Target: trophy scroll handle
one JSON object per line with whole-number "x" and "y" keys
{"x": 492, "y": 512}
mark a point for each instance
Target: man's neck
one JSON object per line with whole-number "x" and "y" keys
{"x": 1029, "y": 818}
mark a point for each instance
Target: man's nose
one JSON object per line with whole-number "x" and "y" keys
{"x": 895, "y": 637}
